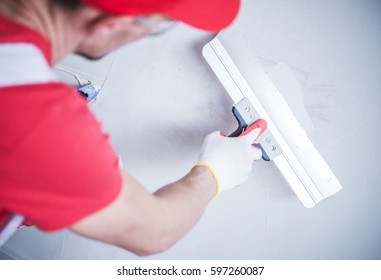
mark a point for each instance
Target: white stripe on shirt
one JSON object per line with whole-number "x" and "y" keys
{"x": 23, "y": 64}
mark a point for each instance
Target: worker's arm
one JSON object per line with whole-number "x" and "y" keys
{"x": 147, "y": 223}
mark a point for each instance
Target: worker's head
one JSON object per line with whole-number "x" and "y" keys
{"x": 96, "y": 27}
{"x": 211, "y": 15}
{"x": 122, "y": 21}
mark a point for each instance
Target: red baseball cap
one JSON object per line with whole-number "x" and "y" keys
{"x": 210, "y": 15}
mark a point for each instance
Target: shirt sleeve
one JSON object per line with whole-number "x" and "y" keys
{"x": 57, "y": 166}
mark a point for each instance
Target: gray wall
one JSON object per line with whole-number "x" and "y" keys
{"x": 159, "y": 100}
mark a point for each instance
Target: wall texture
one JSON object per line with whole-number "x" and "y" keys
{"x": 159, "y": 99}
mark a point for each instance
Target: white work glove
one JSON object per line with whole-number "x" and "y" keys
{"x": 230, "y": 159}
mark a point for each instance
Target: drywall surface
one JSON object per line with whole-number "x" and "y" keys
{"x": 159, "y": 99}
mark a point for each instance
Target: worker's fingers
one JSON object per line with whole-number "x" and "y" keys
{"x": 255, "y": 153}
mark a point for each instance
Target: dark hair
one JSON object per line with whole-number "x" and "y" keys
{"x": 69, "y": 5}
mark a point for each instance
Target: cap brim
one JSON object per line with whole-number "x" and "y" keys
{"x": 210, "y": 15}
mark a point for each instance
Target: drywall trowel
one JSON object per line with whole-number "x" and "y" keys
{"x": 285, "y": 142}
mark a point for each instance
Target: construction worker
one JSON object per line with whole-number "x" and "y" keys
{"x": 50, "y": 174}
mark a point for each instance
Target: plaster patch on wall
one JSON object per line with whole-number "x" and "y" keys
{"x": 288, "y": 85}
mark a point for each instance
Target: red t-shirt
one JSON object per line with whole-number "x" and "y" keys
{"x": 56, "y": 164}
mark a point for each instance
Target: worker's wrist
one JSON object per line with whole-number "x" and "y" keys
{"x": 206, "y": 172}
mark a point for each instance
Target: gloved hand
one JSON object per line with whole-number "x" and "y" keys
{"x": 230, "y": 159}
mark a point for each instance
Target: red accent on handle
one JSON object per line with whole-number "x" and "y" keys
{"x": 262, "y": 124}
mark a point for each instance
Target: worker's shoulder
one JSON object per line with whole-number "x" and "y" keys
{"x": 38, "y": 93}
{"x": 47, "y": 108}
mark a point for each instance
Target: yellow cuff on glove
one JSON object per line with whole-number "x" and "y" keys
{"x": 213, "y": 174}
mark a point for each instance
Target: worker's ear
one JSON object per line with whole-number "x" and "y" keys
{"x": 108, "y": 32}
{"x": 104, "y": 25}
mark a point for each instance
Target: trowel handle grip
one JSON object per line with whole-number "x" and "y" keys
{"x": 242, "y": 125}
